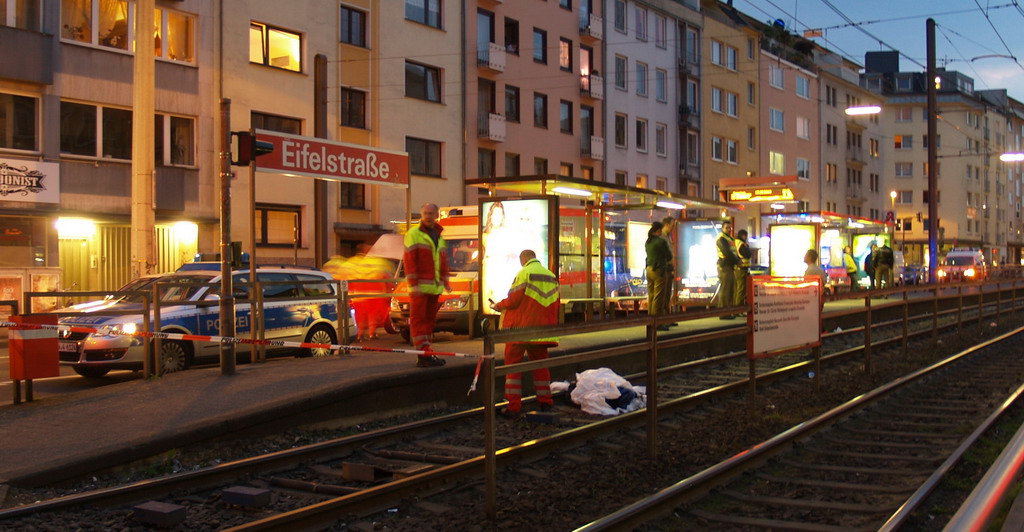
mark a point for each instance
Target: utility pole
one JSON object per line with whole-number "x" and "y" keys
{"x": 143, "y": 247}
{"x": 933, "y": 180}
{"x": 227, "y": 290}
{"x": 320, "y": 229}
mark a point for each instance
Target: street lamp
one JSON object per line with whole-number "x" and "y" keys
{"x": 864, "y": 110}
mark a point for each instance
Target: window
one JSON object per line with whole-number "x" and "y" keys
{"x": 904, "y": 114}
{"x": 353, "y": 108}
{"x": 873, "y": 147}
{"x": 177, "y": 43}
{"x": 831, "y": 95}
{"x": 620, "y": 15}
{"x": 730, "y": 151}
{"x": 19, "y": 119}
{"x": 422, "y": 82}
{"x": 716, "y": 148}
{"x": 803, "y": 128}
{"x": 692, "y": 46}
{"x": 424, "y": 11}
{"x": 485, "y": 163}
{"x": 281, "y": 124}
{"x": 620, "y": 130}
{"x": 661, "y": 139}
{"x": 803, "y": 87}
{"x": 424, "y": 156}
{"x": 750, "y": 48}
{"x": 751, "y": 93}
{"x": 353, "y": 26}
{"x": 540, "y": 46}
{"x": 641, "y": 181}
{"x": 353, "y": 196}
{"x": 732, "y": 104}
{"x": 730, "y": 58}
{"x": 275, "y": 47}
{"x": 752, "y": 138}
{"x": 278, "y": 225}
{"x": 177, "y": 140}
{"x": 641, "y": 78}
{"x": 661, "y": 85}
{"x": 540, "y": 110}
{"x": 587, "y": 172}
{"x": 903, "y": 142}
{"x": 661, "y": 183}
{"x": 620, "y": 177}
{"x": 641, "y": 134}
{"x": 938, "y": 141}
{"x": 103, "y": 22}
{"x": 716, "y": 99}
{"x": 692, "y": 95}
{"x": 620, "y": 72}
{"x": 565, "y": 116}
{"x": 717, "y": 53}
{"x": 692, "y": 147}
{"x": 565, "y": 169}
{"x": 23, "y": 14}
{"x": 565, "y": 54}
{"x": 776, "y": 119}
{"x": 904, "y": 197}
{"x": 565, "y": 4}
{"x": 832, "y": 134}
{"x": 511, "y": 103}
{"x": 874, "y": 183}
{"x": 511, "y": 164}
{"x": 512, "y": 36}
{"x": 660, "y": 31}
{"x": 831, "y": 173}
{"x": 641, "y": 23}
{"x": 776, "y": 76}
{"x": 776, "y": 163}
{"x": 803, "y": 169}
{"x": 540, "y": 166}
{"x": 84, "y": 129}
{"x": 904, "y": 169}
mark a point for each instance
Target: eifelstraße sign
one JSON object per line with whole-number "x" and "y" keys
{"x": 338, "y": 161}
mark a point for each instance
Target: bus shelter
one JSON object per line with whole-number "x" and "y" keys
{"x": 790, "y": 235}
{"x": 591, "y": 234}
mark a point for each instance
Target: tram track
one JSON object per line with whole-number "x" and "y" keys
{"x": 413, "y": 454}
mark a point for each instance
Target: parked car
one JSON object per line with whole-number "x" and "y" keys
{"x": 914, "y": 274}
{"x": 310, "y": 317}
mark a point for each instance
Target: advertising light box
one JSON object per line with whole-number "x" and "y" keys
{"x": 508, "y": 227}
{"x": 862, "y": 245}
{"x": 696, "y": 251}
{"x": 636, "y": 248}
{"x": 789, "y": 244}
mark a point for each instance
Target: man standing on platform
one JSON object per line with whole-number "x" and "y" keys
{"x": 727, "y": 262}
{"x": 743, "y": 268}
{"x": 884, "y": 260}
{"x": 532, "y": 302}
{"x": 426, "y": 271}
{"x": 869, "y": 265}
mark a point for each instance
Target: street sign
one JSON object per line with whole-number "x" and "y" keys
{"x": 890, "y": 217}
{"x": 328, "y": 159}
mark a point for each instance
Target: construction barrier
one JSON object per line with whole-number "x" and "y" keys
{"x": 33, "y": 351}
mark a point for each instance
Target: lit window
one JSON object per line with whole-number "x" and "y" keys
{"x": 776, "y": 163}
{"x": 275, "y": 47}
{"x": 278, "y": 225}
{"x": 22, "y": 14}
{"x": 177, "y": 43}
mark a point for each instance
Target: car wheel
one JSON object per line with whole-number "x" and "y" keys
{"x": 174, "y": 356}
{"x": 320, "y": 334}
{"x": 92, "y": 373}
{"x": 406, "y": 334}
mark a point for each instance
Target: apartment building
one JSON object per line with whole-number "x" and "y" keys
{"x": 730, "y": 100}
{"x": 533, "y": 90}
{"x": 851, "y": 173}
{"x": 689, "y": 26}
{"x": 642, "y": 97}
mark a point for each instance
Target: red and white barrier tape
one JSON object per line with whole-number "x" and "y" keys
{"x": 233, "y": 340}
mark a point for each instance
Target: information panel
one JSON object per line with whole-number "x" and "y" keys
{"x": 785, "y": 314}
{"x": 507, "y": 227}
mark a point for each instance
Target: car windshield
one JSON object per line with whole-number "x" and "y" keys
{"x": 463, "y": 254}
{"x": 959, "y": 261}
{"x": 169, "y": 294}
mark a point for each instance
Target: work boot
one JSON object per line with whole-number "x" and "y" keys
{"x": 508, "y": 413}
{"x": 429, "y": 362}
{"x": 546, "y": 407}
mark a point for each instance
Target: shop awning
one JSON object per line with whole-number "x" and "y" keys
{"x": 617, "y": 197}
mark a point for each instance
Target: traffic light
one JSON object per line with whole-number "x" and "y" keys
{"x": 249, "y": 148}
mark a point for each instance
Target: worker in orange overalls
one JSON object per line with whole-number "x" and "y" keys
{"x": 426, "y": 271}
{"x": 532, "y": 302}
{"x": 371, "y": 312}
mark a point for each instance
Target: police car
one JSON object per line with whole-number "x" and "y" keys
{"x": 193, "y": 309}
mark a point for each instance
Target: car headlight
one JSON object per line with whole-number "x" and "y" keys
{"x": 395, "y": 305}
{"x": 942, "y": 273}
{"x": 455, "y": 303}
{"x": 969, "y": 272}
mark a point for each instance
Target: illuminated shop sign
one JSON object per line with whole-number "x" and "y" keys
{"x": 29, "y": 181}
{"x": 757, "y": 195}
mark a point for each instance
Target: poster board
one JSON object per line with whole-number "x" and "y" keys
{"x": 698, "y": 256}
{"x": 788, "y": 245}
{"x": 507, "y": 227}
{"x": 636, "y": 248}
{"x": 784, "y": 314}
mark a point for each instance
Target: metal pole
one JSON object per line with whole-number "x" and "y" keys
{"x": 490, "y": 443}
{"x": 652, "y": 389}
{"x": 933, "y": 181}
{"x": 319, "y": 185}
{"x": 147, "y": 351}
{"x": 254, "y": 316}
{"x": 227, "y": 300}
{"x": 143, "y": 216}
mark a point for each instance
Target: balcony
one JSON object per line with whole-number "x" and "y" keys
{"x": 689, "y": 117}
{"x": 491, "y": 127}
{"x": 592, "y": 26}
{"x": 492, "y": 57}
{"x": 593, "y": 85}
{"x": 594, "y": 149}
{"x": 855, "y": 156}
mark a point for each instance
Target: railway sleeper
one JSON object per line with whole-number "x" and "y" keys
{"x": 813, "y": 505}
{"x": 849, "y": 486}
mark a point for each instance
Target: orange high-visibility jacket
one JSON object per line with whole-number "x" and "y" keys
{"x": 532, "y": 301}
{"x": 426, "y": 265}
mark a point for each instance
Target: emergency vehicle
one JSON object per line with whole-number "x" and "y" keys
{"x": 963, "y": 264}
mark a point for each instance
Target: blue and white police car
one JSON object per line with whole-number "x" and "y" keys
{"x": 305, "y": 311}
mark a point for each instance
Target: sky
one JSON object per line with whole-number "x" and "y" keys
{"x": 979, "y": 38}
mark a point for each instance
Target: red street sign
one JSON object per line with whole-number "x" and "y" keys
{"x": 313, "y": 157}
{"x": 890, "y": 216}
